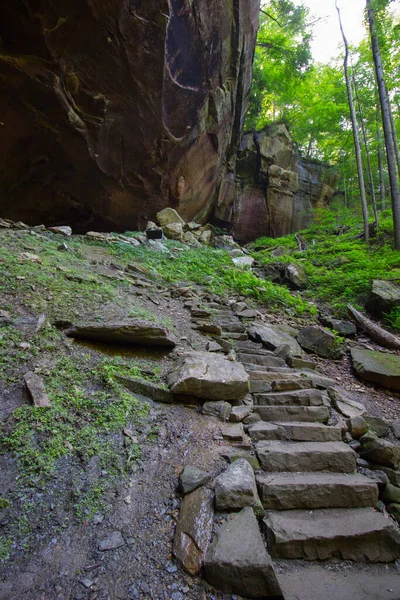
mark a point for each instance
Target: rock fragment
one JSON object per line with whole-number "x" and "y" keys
{"x": 36, "y": 389}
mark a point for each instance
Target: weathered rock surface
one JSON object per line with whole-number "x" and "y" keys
{"x": 236, "y": 487}
{"x": 380, "y": 451}
{"x": 293, "y": 413}
{"x": 361, "y": 534}
{"x": 318, "y": 340}
{"x": 343, "y": 404}
{"x": 357, "y": 427}
{"x": 384, "y": 296}
{"x": 287, "y": 491}
{"x": 192, "y": 478}
{"x": 272, "y": 338}
{"x": 237, "y": 561}
{"x": 167, "y": 216}
{"x": 146, "y": 388}
{"x": 36, "y": 389}
{"x": 218, "y": 409}
{"x": 309, "y": 432}
{"x": 334, "y": 457}
{"x": 193, "y": 530}
{"x": 378, "y": 367}
{"x": 270, "y": 190}
{"x": 345, "y": 328}
{"x": 210, "y": 376}
{"x": 121, "y": 111}
{"x": 141, "y": 333}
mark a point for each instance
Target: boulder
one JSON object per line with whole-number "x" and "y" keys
{"x": 357, "y": 426}
{"x": 239, "y": 413}
{"x": 190, "y": 239}
{"x": 192, "y": 478}
{"x": 62, "y": 230}
{"x": 193, "y": 530}
{"x": 344, "y": 328}
{"x": 320, "y": 341}
{"x": 167, "y": 216}
{"x": 295, "y": 276}
{"x": 237, "y": 561}
{"x": 343, "y": 404}
{"x": 391, "y": 494}
{"x": 378, "y": 367}
{"x": 138, "y": 333}
{"x": 243, "y": 262}
{"x": 379, "y": 426}
{"x": 173, "y": 231}
{"x": 380, "y": 451}
{"x": 384, "y": 296}
{"x": 210, "y": 376}
{"x": 219, "y": 409}
{"x": 236, "y": 487}
{"x": 272, "y": 338}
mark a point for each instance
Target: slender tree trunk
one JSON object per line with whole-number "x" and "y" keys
{"x": 387, "y": 130}
{"x": 369, "y": 168}
{"x": 395, "y": 139}
{"x": 382, "y": 186}
{"x": 357, "y": 148}
{"x": 344, "y": 186}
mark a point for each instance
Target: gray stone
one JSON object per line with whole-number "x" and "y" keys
{"x": 300, "y": 363}
{"x": 213, "y": 347}
{"x": 361, "y": 534}
{"x": 392, "y": 474}
{"x": 306, "y": 456}
{"x": 379, "y": 426}
{"x": 243, "y": 262}
{"x": 291, "y": 398}
{"x": 287, "y": 491}
{"x": 292, "y": 384}
{"x": 239, "y": 413}
{"x": 62, "y": 230}
{"x": 237, "y": 561}
{"x": 357, "y": 426}
{"x": 253, "y": 418}
{"x": 272, "y": 338}
{"x": 233, "y": 432}
{"x": 293, "y": 413}
{"x": 219, "y": 409}
{"x": 146, "y": 388}
{"x": 384, "y": 296}
{"x": 320, "y": 341}
{"x": 391, "y": 493}
{"x": 141, "y": 333}
{"x": 309, "y": 432}
{"x": 236, "y": 487}
{"x": 112, "y": 541}
{"x": 380, "y": 478}
{"x": 378, "y": 367}
{"x": 231, "y": 454}
{"x": 192, "y": 478}
{"x": 343, "y": 404}
{"x": 168, "y": 216}
{"x": 344, "y": 328}
{"x": 193, "y": 530}
{"x": 265, "y": 431}
{"x": 36, "y": 389}
{"x": 263, "y": 361}
{"x": 295, "y": 275}
{"x": 380, "y": 451}
{"x": 395, "y": 427}
{"x": 394, "y": 510}
{"x": 210, "y": 376}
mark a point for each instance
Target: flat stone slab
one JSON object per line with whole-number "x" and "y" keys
{"x": 280, "y": 456}
{"x": 194, "y": 529}
{"x": 141, "y": 333}
{"x": 319, "y": 340}
{"x": 347, "y": 407}
{"x": 287, "y": 491}
{"x": 384, "y": 296}
{"x": 236, "y": 487}
{"x": 270, "y": 373}
{"x": 378, "y": 367}
{"x": 239, "y": 413}
{"x": 233, "y": 432}
{"x": 237, "y": 561}
{"x": 292, "y": 398}
{"x": 265, "y": 431}
{"x": 272, "y": 338}
{"x": 264, "y": 361}
{"x": 362, "y": 534}
{"x": 288, "y": 385}
{"x": 146, "y": 388}
{"x": 310, "y": 432}
{"x": 192, "y": 478}
{"x": 36, "y": 389}
{"x": 293, "y": 413}
{"x": 210, "y": 376}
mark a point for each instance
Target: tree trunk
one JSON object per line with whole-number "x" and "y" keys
{"x": 369, "y": 168}
{"x": 395, "y": 139}
{"x": 357, "y": 148}
{"x": 387, "y": 129}
{"x": 382, "y": 186}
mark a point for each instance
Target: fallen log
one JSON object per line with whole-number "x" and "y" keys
{"x": 377, "y": 333}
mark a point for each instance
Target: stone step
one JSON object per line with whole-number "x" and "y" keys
{"x": 261, "y": 430}
{"x": 287, "y": 491}
{"x": 261, "y": 369}
{"x": 310, "y": 432}
{"x": 271, "y": 374}
{"x": 259, "y": 387}
{"x": 359, "y": 534}
{"x": 263, "y": 361}
{"x": 231, "y": 327}
{"x": 295, "y": 398}
{"x": 249, "y": 345}
{"x": 288, "y": 385}
{"x": 306, "y": 414}
{"x": 226, "y": 335}
{"x": 256, "y": 350}
{"x": 335, "y": 457}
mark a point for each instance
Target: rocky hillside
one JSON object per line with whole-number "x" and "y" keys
{"x": 176, "y": 427}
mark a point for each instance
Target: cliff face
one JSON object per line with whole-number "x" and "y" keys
{"x": 114, "y": 109}
{"x": 270, "y": 190}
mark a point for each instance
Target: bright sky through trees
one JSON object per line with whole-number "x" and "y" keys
{"x": 327, "y": 35}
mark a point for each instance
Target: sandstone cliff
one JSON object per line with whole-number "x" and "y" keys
{"x": 270, "y": 190}
{"x": 112, "y": 109}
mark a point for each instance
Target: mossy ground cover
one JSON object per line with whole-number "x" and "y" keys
{"x": 339, "y": 268}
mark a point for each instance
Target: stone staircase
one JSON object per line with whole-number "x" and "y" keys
{"x": 317, "y": 506}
